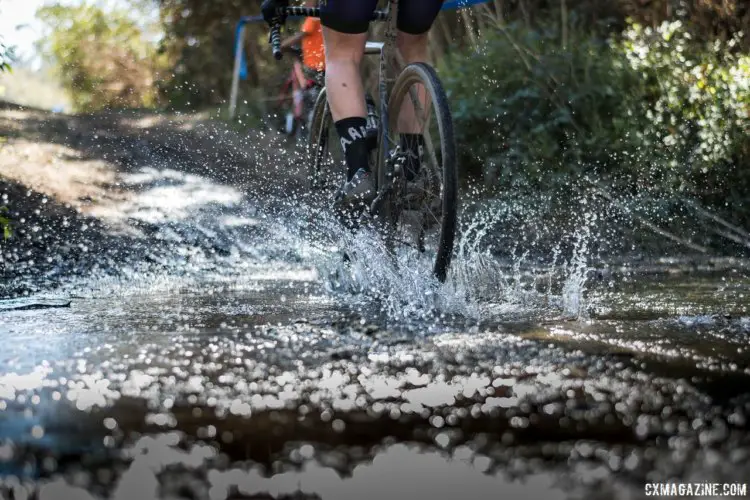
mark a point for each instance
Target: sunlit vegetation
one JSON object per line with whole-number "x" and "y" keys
{"x": 199, "y": 37}
{"x": 6, "y": 55}
{"x": 5, "y": 224}
{"x": 662, "y": 108}
{"x": 637, "y": 96}
{"x": 103, "y": 57}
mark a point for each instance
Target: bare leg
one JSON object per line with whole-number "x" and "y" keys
{"x": 344, "y": 52}
{"x": 346, "y": 98}
{"x": 299, "y": 73}
{"x": 412, "y": 120}
{"x": 413, "y": 49}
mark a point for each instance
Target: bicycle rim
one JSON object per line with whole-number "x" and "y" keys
{"x": 324, "y": 157}
{"x": 422, "y": 216}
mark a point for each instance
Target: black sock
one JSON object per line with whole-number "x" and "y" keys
{"x": 353, "y": 134}
{"x": 413, "y": 146}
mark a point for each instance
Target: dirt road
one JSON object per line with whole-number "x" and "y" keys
{"x": 62, "y": 181}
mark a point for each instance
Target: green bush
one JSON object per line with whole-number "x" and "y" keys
{"x": 697, "y": 100}
{"x": 5, "y": 223}
{"x": 648, "y": 108}
{"x": 531, "y": 111}
{"x": 6, "y": 56}
{"x": 103, "y": 57}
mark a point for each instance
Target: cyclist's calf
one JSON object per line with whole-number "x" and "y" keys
{"x": 344, "y": 53}
{"x": 413, "y": 48}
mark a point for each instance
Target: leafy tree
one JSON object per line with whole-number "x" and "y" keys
{"x": 533, "y": 111}
{"x": 6, "y": 56}
{"x": 654, "y": 108}
{"x": 199, "y": 38}
{"x": 103, "y": 58}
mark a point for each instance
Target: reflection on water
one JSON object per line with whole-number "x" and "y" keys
{"x": 397, "y": 472}
{"x": 276, "y": 387}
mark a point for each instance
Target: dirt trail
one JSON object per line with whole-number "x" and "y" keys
{"x": 60, "y": 181}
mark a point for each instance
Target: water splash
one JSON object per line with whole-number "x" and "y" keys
{"x": 578, "y": 267}
{"x": 510, "y": 257}
{"x": 490, "y": 275}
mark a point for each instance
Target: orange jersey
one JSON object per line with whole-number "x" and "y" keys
{"x": 313, "y": 53}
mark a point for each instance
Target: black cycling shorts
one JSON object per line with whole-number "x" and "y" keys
{"x": 353, "y": 16}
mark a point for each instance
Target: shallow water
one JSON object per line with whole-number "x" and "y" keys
{"x": 247, "y": 358}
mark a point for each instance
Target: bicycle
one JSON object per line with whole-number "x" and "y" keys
{"x": 418, "y": 214}
{"x": 292, "y": 107}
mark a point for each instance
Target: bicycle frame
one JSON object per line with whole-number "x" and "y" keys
{"x": 288, "y": 89}
{"x": 389, "y": 70}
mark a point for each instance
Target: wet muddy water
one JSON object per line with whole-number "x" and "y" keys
{"x": 257, "y": 374}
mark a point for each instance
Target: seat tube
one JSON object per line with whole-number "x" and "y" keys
{"x": 387, "y": 76}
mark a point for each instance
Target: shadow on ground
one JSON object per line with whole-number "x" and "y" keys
{"x": 65, "y": 178}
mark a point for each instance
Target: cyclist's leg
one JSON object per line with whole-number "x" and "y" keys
{"x": 345, "y": 24}
{"x": 299, "y": 71}
{"x": 298, "y": 89}
{"x": 414, "y": 22}
{"x": 315, "y": 81}
{"x": 344, "y": 52}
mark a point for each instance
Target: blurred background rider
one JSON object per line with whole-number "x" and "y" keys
{"x": 310, "y": 39}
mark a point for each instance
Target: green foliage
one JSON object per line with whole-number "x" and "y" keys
{"x": 707, "y": 20}
{"x": 5, "y": 223}
{"x": 650, "y": 107}
{"x": 6, "y": 56}
{"x": 199, "y": 39}
{"x": 103, "y": 57}
{"x": 697, "y": 94}
{"x": 532, "y": 110}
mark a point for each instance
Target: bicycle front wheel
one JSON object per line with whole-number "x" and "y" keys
{"x": 423, "y": 214}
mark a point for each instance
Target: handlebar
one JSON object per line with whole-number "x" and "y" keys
{"x": 378, "y": 15}
{"x": 275, "y": 38}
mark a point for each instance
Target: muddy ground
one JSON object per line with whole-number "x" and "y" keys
{"x": 60, "y": 181}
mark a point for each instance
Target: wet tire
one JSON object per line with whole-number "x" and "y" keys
{"x": 325, "y": 169}
{"x": 443, "y": 191}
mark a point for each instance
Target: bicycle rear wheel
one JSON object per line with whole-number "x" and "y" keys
{"x": 422, "y": 215}
{"x": 324, "y": 156}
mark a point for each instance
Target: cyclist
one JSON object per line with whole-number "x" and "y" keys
{"x": 313, "y": 52}
{"x": 310, "y": 67}
{"x": 345, "y": 24}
